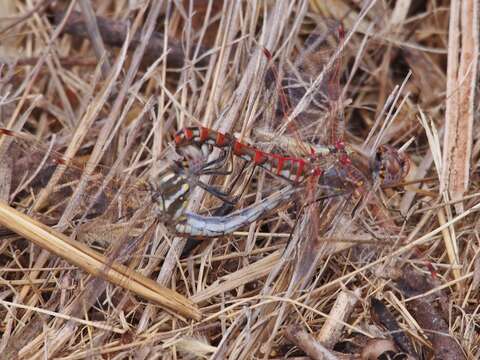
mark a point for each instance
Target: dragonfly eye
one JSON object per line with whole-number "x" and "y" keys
{"x": 389, "y": 165}
{"x": 179, "y": 165}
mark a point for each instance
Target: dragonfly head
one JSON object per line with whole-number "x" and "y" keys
{"x": 389, "y": 165}
{"x": 170, "y": 192}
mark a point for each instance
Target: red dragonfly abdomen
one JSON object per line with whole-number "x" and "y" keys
{"x": 293, "y": 169}
{"x": 198, "y": 136}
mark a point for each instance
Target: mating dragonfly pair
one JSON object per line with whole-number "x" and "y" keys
{"x": 331, "y": 165}
{"x": 173, "y": 185}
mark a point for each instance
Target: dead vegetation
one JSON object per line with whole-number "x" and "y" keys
{"x": 103, "y": 86}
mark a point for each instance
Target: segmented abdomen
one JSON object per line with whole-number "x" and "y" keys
{"x": 292, "y": 169}
{"x": 199, "y": 226}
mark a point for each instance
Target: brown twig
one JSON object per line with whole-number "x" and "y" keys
{"x": 310, "y": 345}
{"x": 339, "y": 314}
{"x": 461, "y": 83}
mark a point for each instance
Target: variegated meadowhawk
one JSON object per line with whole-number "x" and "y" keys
{"x": 387, "y": 164}
{"x": 330, "y": 159}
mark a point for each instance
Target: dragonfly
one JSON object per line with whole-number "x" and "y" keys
{"x": 292, "y": 169}
{"x": 331, "y": 162}
{"x": 388, "y": 164}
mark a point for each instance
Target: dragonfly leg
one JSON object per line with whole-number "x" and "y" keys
{"x": 219, "y": 194}
{"x": 216, "y": 166}
{"x": 233, "y": 200}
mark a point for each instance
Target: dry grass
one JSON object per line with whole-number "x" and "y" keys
{"x": 398, "y": 271}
